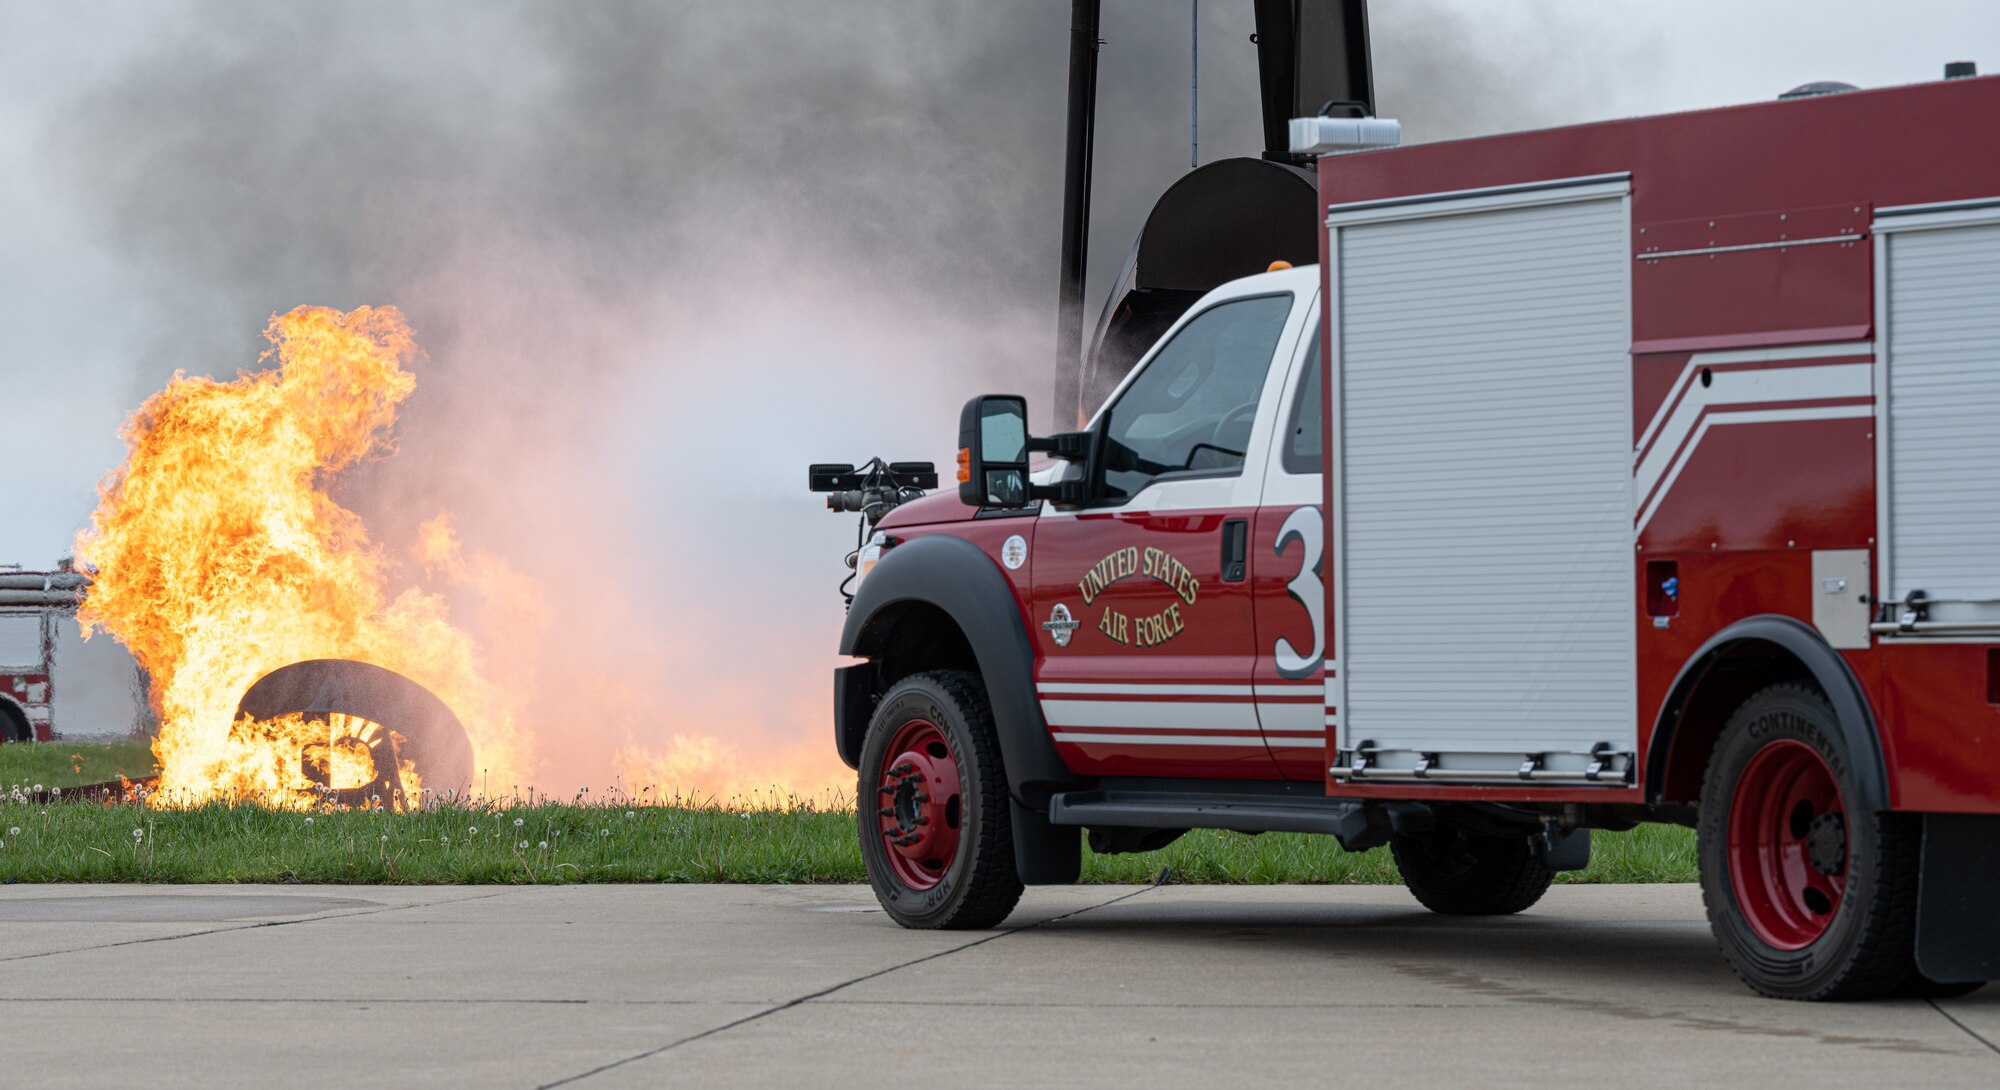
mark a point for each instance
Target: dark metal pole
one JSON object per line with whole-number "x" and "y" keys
{"x": 1083, "y": 24}
{"x": 1194, "y": 84}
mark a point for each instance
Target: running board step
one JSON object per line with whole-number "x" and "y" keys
{"x": 1353, "y": 821}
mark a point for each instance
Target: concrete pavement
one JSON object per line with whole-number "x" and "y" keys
{"x": 629, "y": 986}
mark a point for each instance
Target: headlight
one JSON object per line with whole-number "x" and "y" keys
{"x": 869, "y": 554}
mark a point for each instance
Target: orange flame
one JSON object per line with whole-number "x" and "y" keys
{"x": 219, "y": 556}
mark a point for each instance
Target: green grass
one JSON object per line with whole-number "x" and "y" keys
{"x": 595, "y": 842}
{"x": 65, "y": 764}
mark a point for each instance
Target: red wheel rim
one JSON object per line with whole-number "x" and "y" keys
{"x": 1788, "y": 844}
{"x": 919, "y": 804}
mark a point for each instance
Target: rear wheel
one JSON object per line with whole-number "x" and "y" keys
{"x": 1808, "y": 897}
{"x": 14, "y": 725}
{"x": 1460, "y": 873}
{"x": 932, "y": 806}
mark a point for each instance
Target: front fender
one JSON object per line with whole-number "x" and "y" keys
{"x": 957, "y": 577}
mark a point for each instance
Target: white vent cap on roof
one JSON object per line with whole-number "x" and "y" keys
{"x": 1326, "y": 135}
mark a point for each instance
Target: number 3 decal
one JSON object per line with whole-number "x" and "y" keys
{"x": 1306, "y": 525}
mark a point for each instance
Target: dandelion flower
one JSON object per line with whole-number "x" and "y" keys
{"x": 518, "y": 822}
{"x": 523, "y": 845}
{"x": 630, "y": 814}
{"x": 38, "y": 787}
{"x": 14, "y": 830}
{"x": 603, "y": 832}
{"x": 474, "y": 831}
{"x": 138, "y": 834}
{"x": 309, "y": 820}
{"x": 543, "y": 846}
{"x": 444, "y": 840}
{"x": 385, "y": 838}
{"x": 3, "y": 845}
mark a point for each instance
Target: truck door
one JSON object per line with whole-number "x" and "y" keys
{"x": 1288, "y": 569}
{"x": 1141, "y": 596}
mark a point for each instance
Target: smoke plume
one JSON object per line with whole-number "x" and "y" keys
{"x": 660, "y": 257}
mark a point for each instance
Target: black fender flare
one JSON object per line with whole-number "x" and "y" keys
{"x": 956, "y": 576}
{"x": 1804, "y": 643}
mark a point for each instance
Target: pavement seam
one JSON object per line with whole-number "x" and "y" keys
{"x": 250, "y": 927}
{"x": 1969, "y": 1031}
{"x": 823, "y": 992}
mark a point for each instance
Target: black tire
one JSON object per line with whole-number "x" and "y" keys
{"x": 1865, "y": 948}
{"x": 433, "y": 738}
{"x": 1460, "y": 873}
{"x": 978, "y": 886}
{"x": 14, "y": 726}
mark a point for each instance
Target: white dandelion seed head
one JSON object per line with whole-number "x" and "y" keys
{"x": 630, "y": 814}
{"x": 13, "y": 830}
{"x": 444, "y": 840}
{"x": 474, "y": 831}
{"x": 138, "y": 834}
{"x": 523, "y": 845}
{"x": 518, "y": 822}
{"x": 603, "y": 832}
{"x": 309, "y": 820}
{"x": 543, "y": 846}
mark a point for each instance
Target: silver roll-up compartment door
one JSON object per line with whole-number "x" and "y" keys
{"x": 1483, "y": 539}
{"x": 1938, "y": 361}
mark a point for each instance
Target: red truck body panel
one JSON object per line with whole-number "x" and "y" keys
{"x": 1746, "y": 506}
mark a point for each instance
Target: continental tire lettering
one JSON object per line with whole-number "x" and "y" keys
{"x": 1306, "y": 525}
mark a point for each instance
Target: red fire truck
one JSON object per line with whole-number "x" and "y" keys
{"x": 32, "y": 606}
{"x": 1629, "y": 472}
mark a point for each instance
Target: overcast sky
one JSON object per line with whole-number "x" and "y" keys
{"x": 174, "y": 172}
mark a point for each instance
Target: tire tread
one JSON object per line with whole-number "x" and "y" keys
{"x": 1884, "y": 961}
{"x": 991, "y": 886}
{"x": 1505, "y": 882}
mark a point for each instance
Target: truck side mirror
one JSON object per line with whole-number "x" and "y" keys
{"x": 993, "y": 452}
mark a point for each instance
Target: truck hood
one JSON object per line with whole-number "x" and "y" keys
{"x": 940, "y": 506}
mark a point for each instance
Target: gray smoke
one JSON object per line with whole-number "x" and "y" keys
{"x": 662, "y": 256}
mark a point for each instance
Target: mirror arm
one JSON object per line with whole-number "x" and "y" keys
{"x": 1060, "y": 492}
{"x": 1070, "y": 446}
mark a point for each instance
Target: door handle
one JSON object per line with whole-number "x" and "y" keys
{"x": 1235, "y": 550}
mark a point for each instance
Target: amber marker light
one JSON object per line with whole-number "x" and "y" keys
{"x": 1278, "y": 266}
{"x": 964, "y": 465}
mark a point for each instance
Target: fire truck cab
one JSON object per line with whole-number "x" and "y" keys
{"x": 1637, "y": 471}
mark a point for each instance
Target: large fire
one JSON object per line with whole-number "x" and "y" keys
{"x": 218, "y": 556}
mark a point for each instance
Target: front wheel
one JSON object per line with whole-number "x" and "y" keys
{"x": 1808, "y": 897}
{"x": 1460, "y": 873}
{"x": 932, "y": 809}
